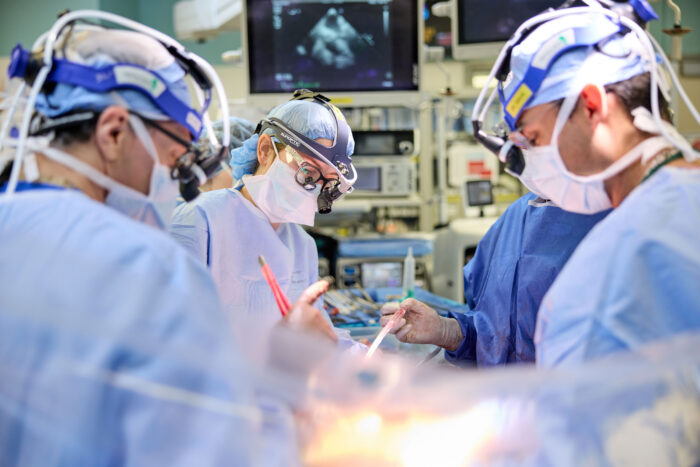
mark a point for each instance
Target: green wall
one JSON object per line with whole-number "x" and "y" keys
{"x": 22, "y": 21}
{"x": 126, "y": 8}
{"x": 158, "y": 14}
{"x": 690, "y": 10}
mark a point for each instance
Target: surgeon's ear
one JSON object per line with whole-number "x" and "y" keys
{"x": 111, "y": 132}
{"x": 266, "y": 153}
{"x": 595, "y": 101}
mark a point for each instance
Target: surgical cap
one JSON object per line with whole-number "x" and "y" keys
{"x": 306, "y": 117}
{"x": 100, "y": 47}
{"x": 619, "y": 59}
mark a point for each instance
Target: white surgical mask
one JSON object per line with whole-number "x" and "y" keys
{"x": 546, "y": 175}
{"x": 278, "y": 195}
{"x": 157, "y": 207}
{"x": 543, "y": 177}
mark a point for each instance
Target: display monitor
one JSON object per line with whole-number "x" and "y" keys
{"x": 479, "y": 192}
{"x": 371, "y": 144}
{"x": 368, "y": 179}
{"x": 340, "y": 48}
{"x": 388, "y": 274}
{"x": 479, "y": 31}
{"x": 385, "y": 142}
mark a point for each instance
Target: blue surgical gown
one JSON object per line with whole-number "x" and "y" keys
{"x": 514, "y": 265}
{"x": 634, "y": 279}
{"x": 113, "y": 343}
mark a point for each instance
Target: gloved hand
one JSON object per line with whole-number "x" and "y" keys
{"x": 422, "y": 325}
{"x": 304, "y": 316}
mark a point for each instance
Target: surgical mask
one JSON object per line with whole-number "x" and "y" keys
{"x": 543, "y": 177}
{"x": 546, "y": 175}
{"x": 154, "y": 209}
{"x": 278, "y": 195}
{"x": 157, "y": 207}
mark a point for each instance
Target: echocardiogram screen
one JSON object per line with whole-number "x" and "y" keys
{"x": 346, "y": 46}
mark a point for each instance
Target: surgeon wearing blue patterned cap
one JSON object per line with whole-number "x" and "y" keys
{"x": 134, "y": 139}
{"x": 103, "y": 317}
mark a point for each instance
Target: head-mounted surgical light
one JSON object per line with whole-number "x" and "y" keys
{"x": 335, "y": 156}
{"x": 515, "y": 96}
{"x": 42, "y": 68}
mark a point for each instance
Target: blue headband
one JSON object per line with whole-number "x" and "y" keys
{"x": 105, "y": 78}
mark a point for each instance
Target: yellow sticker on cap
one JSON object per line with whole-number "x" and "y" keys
{"x": 342, "y": 100}
{"x": 520, "y": 97}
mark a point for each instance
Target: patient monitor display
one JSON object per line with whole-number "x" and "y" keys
{"x": 363, "y": 45}
{"x": 497, "y": 22}
{"x": 478, "y": 30}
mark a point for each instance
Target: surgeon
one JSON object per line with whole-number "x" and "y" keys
{"x": 114, "y": 346}
{"x": 296, "y": 164}
{"x": 585, "y": 98}
{"x": 514, "y": 265}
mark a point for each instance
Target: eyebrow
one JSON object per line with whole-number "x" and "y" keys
{"x": 522, "y": 130}
{"x": 522, "y": 125}
{"x": 542, "y": 112}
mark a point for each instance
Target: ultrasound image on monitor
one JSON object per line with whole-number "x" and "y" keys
{"x": 366, "y": 45}
{"x": 334, "y": 43}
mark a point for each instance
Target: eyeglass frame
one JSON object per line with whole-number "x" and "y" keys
{"x": 191, "y": 148}
{"x": 302, "y": 163}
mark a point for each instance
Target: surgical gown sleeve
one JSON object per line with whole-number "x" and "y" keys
{"x": 635, "y": 279}
{"x": 514, "y": 265}
{"x": 113, "y": 345}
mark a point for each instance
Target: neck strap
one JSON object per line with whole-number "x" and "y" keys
{"x": 659, "y": 161}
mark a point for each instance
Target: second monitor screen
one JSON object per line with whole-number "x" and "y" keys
{"x": 347, "y": 46}
{"x": 478, "y": 23}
